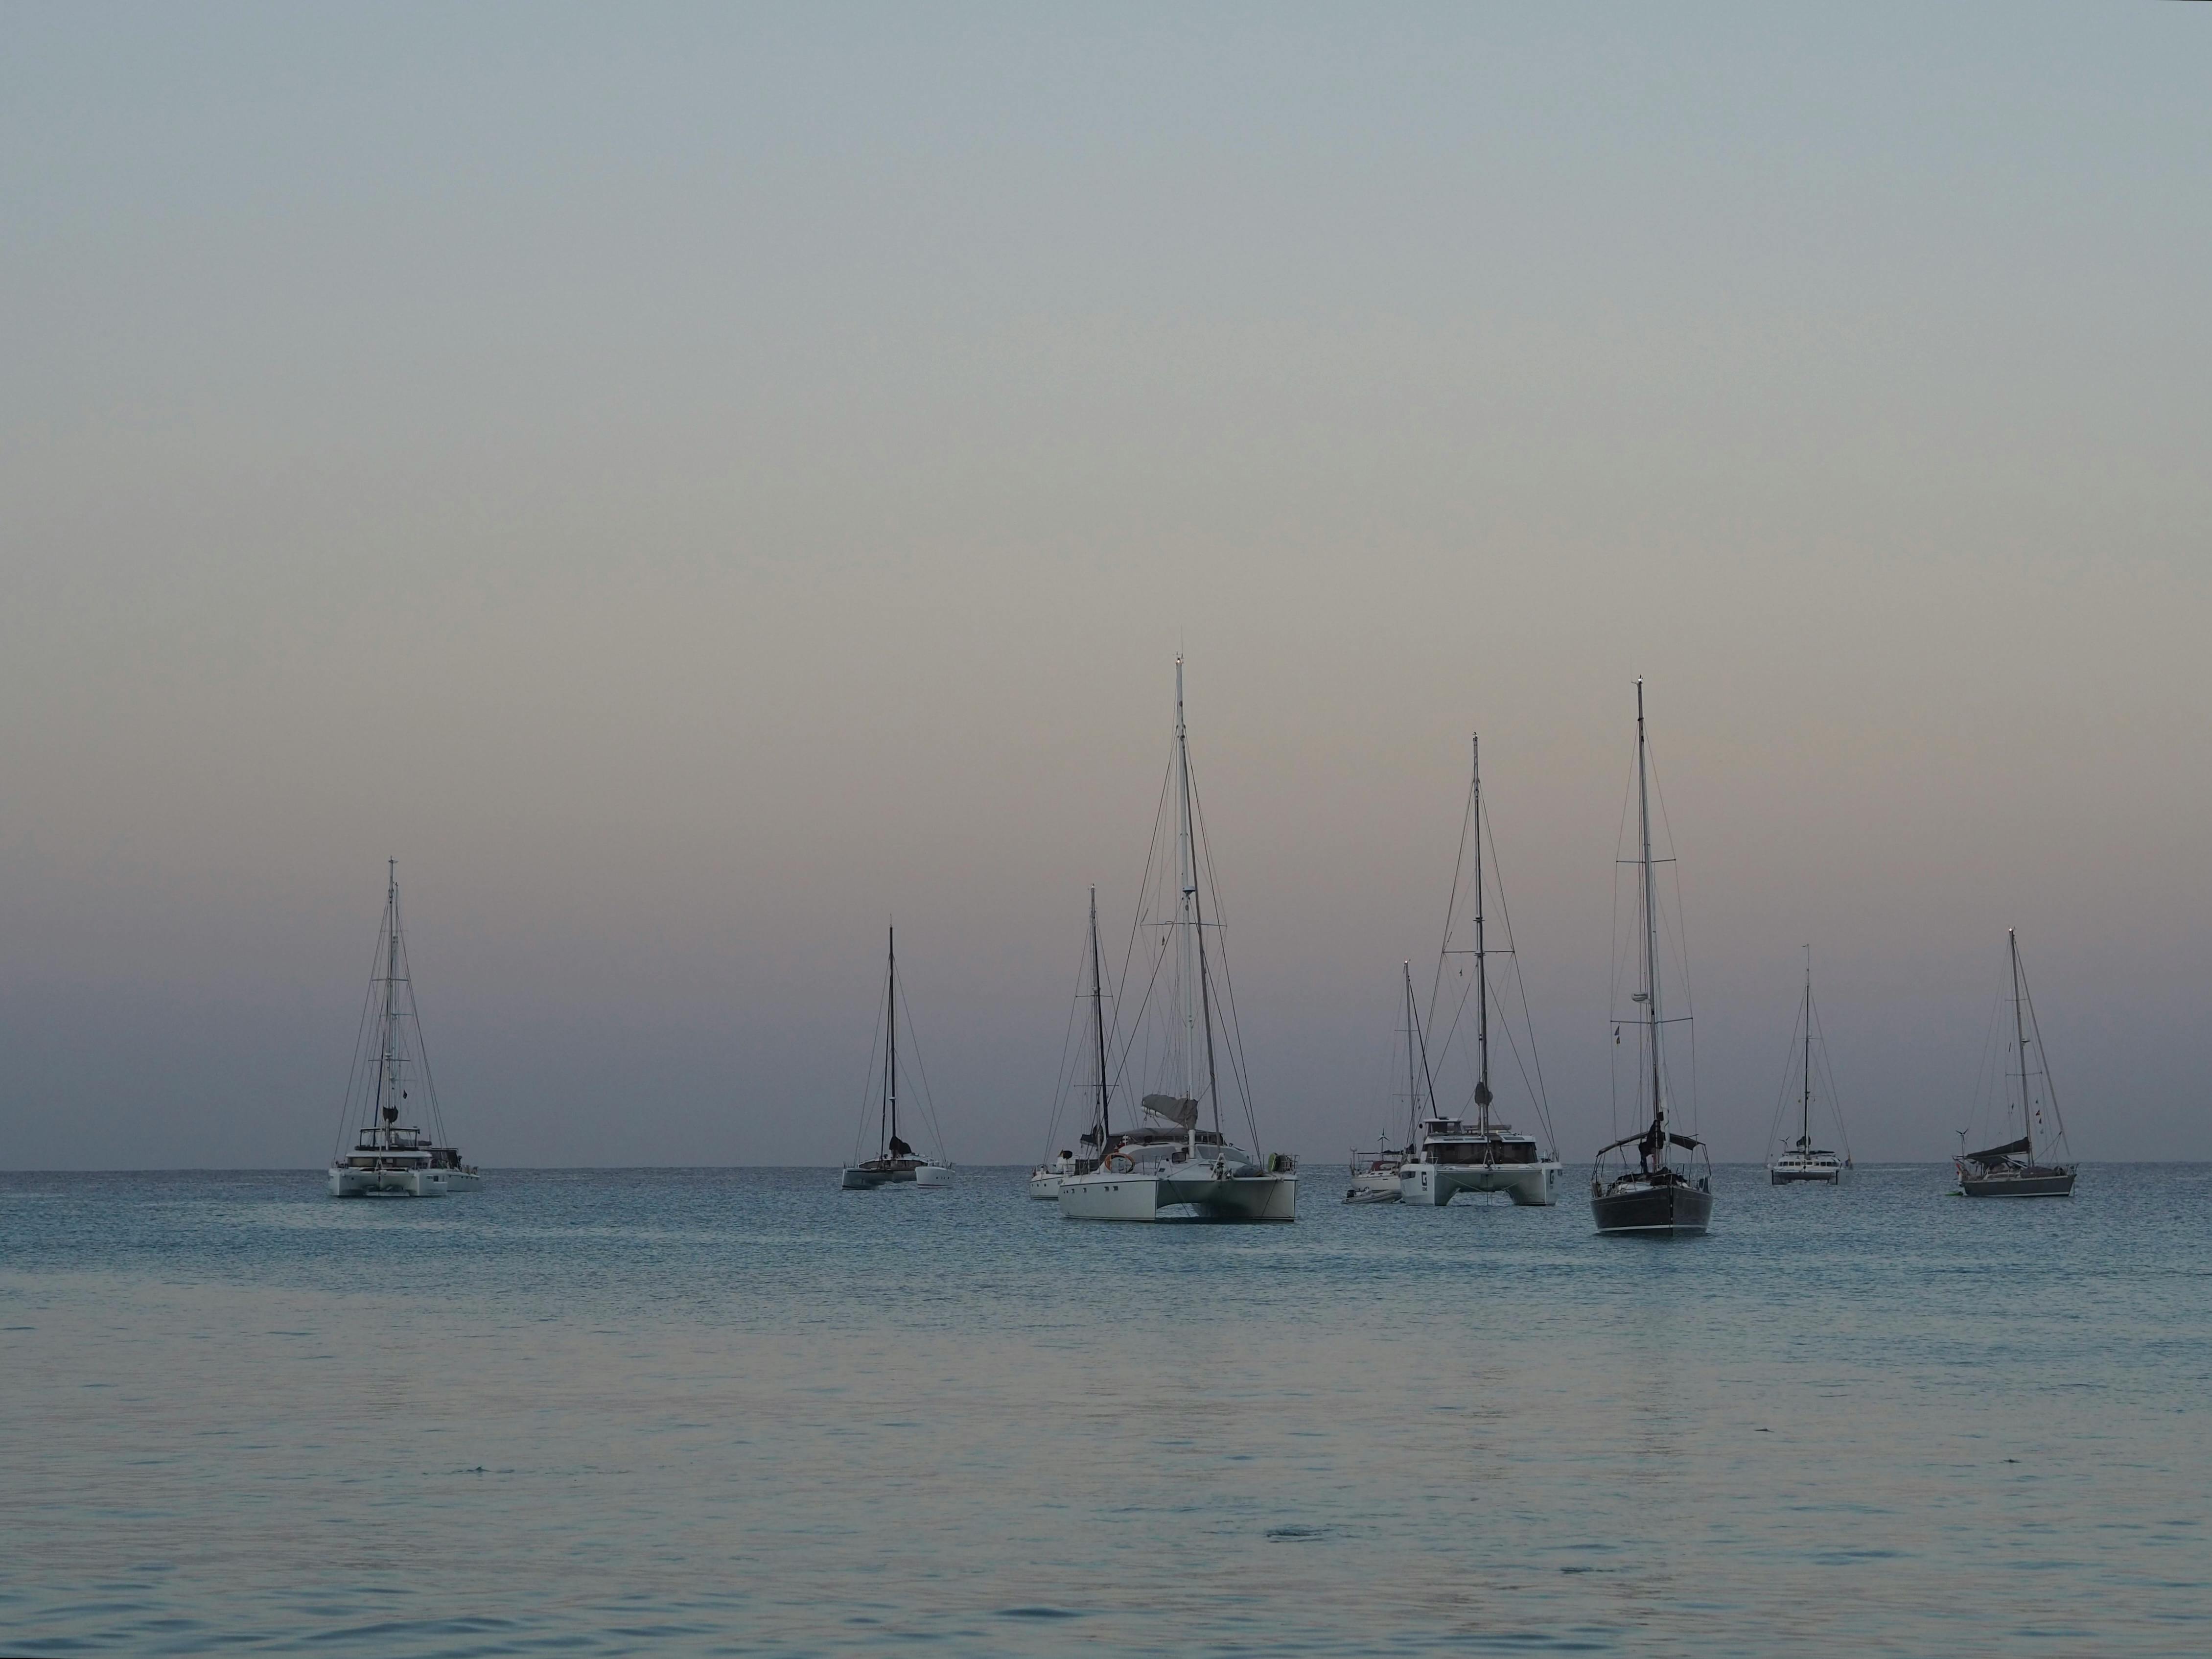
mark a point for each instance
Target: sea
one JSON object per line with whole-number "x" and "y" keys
{"x": 742, "y": 1411}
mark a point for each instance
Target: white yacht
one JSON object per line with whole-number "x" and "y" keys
{"x": 1168, "y": 1168}
{"x": 388, "y": 1159}
{"x": 1801, "y": 1161}
{"x": 1045, "y": 1179}
{"x": 1451, "y": 1155}
{"x": 1373, "y": 1175}
{"x": 896, "y": 1163}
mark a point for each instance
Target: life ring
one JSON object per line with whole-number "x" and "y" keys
{"x": 1120, "y": 1164}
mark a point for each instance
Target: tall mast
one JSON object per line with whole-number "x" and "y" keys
{"x": 890, "y": 1044}
{"x": 1482, "y": 971}
{"x": 1412, "y": 1062}
{"x": 1099, "y": 1019}
{"x": 1203, "y": 1012}
{"x": 2020, "y": 1034}
{"x": 1650, "y": 923}
{"x": 388, "y": 1073}
{"x": 1805, "y": 1099}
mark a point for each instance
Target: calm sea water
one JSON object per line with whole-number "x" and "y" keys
{"x": 742, "y": 1411}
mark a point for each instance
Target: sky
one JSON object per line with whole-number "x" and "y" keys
{"x": 696, "y": 484}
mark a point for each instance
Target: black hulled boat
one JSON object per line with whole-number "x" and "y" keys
{"x": 1657, "y": 1194}
{"x": 2011, "y": 1170}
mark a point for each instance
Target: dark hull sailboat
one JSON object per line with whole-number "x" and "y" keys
{"x": 898, "y": 1163}
{"x": 1652, "y": 1198}
{"x": 1665, "y": 1202}
{"x": 2011, "y": 1170}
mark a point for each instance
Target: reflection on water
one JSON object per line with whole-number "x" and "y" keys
{"x": 742, "y": 1411}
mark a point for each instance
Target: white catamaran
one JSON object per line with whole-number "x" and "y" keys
{"x": 1801, "y": 1161}
{"x": 1167, "y": 1167}
{"x": 389, "y": 1159}
{"x": 1449, "y": 1156}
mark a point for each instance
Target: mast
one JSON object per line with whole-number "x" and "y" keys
{"x": 891, "y": 1046}
{"x": 1805, "y": 1099}
{"x": 1099, "y": 1019}
{"x": 1482, "y": 1096}
{"x": 387, "y": 1076}
{"x": 2020, "y": 1034}
{"x": 1413, "y": 1061}
{"x": 1203, "y": 1013}
{"x": 1650, "y": 925}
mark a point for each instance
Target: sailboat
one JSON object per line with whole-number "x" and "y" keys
{"x": 2011, "y": 1170}
{"x": 389, "y": 1159}
{"x": 1045, "y": 1179}
{"x": 1166, "y": 1167}
{"x": 1450, "y": 1156}
{"x": 896, "y": 1162}
{"x": 1652, "y": 1195}
{"x": 1375, "y": 1176}
{"x": 1801, "y": 1160}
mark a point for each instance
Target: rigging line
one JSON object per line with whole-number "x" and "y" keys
{"x": 913, "y": 1047}
{"x": 1827, "y": 1071}
{"x": 359, "y": 1043}
{"x": 2050, "y": 1083}
{"x": 1238, "y": 1069}
{"x": 1781, "y": 1094}
{"x": 1681, "y": 935}
{"x": 869, "y": 1087}
{"x": 1451, "y": 910}
{"x": 1520, "y": 989}
{"x": 1136, "y": 1024}
{"x": 421, "y": 1043}
{"x": 1062, "y": 1082}
{"x": 1137, "y": 922}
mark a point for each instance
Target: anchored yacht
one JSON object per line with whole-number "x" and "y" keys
{"x": 896, "y": 1163}
{"x": 1658, "y": 1194}
{"x": 1168, "y": 1168}
{"x": 389, "y": 1159}
{"x": 2012, "y": 1170}
{"x": 1451, "y": 1155}
{"x": 1045, "y": 1179}
{"x": 1801, "y": 1161}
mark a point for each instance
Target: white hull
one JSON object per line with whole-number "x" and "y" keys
{"x": 346, "y": 1182}
{"x": 1533, "y": 1185}
{"x": 1784, "y": 1173}
{"x": 934, "y": 1175}
{"x": 1045, "y": 1185}
{"x": 1374, "y": 1187}
{"x": 1193, "y": 1193}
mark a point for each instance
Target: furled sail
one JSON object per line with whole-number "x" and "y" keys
{"x": 2005, "y": 1151}
{"x": 1178, "y": 1110}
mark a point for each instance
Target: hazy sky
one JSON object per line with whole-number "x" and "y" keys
{"x": 693, "y": 483}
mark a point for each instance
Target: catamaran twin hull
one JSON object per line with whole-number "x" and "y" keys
{"x": 1197, "y": 1195}
{"x": 347, "y": 1181}
{"x": 1530, "y": 1184}
{"x": 1789, "y": 1169}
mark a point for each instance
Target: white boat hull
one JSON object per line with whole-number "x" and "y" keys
{"x": 1045, "y": 1185}
{"x": 347, "y": 1182}
{"x": 1791, "y": 1175}
{"x": 1189, "y": 1193}
{"x": 1374, "y": 1187}
{"x": 934, "y": 1175}
{"x": 1532, "y": 1185}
